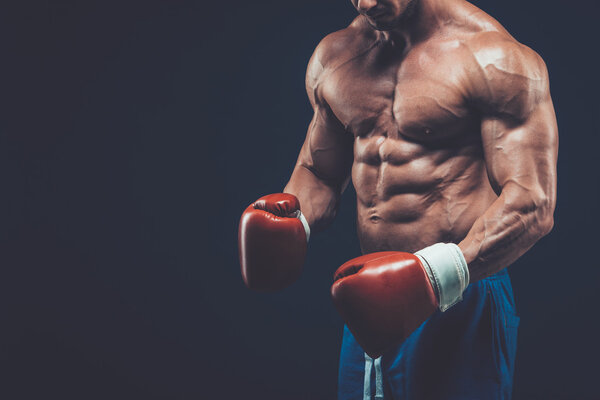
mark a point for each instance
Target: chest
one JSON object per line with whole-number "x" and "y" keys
{"x": 419, "y": 95}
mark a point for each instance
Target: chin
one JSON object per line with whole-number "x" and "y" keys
{"x": 392, "y": 21}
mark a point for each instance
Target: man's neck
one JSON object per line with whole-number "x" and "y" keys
{"x": 420, "y": 19}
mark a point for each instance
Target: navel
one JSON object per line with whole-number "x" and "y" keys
{"x": 375, "y": 219}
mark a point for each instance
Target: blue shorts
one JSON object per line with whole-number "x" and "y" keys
{"x": 468, "y": 352}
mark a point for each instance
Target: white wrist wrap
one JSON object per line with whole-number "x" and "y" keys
{"x": 447, "y": 270}
{"x": 300, "y": 216}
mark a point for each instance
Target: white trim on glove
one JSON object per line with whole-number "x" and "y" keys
{"x": 448, "y": 272}
{"x": 302, "y": 219}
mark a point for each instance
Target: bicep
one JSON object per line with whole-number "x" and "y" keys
{"x": 522, "y": 152}
{"x": 519, "y": 132}
{"x": 327, "y": 150}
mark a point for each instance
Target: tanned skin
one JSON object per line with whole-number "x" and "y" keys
{"x": 444, "y": 123}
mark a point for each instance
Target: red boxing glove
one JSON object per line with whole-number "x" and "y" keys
{"x": 272, "y": 240}
{"x": 383, "y": 297}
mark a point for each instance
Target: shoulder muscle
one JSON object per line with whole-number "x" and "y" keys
{"x": 334, "y": 50}
{"x": 510, "y": 78}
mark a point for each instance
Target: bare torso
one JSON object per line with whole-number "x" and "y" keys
{"x": 418, "y": 170}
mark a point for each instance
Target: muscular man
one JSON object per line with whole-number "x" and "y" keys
{"x": 445, "y": 124}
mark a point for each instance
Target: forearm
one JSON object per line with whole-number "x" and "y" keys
{"x": 509, "y": 227}
{"x": 319, "y": 199}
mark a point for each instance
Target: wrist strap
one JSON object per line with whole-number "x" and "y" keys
{"x": 302, "y": 219}
{"x": 447, "y": 270}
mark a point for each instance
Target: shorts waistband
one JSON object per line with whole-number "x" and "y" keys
{"x": 503, "y": 274}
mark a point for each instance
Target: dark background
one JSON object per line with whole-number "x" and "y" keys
{"x": 132, "y": 136}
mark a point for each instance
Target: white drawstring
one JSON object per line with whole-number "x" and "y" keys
{"x": 369, "y": 362}
{"x": 367, "y": 387}
{"x": 378, "y": 379}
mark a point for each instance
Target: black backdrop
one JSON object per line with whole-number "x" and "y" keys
{"x": 132, "y": 136}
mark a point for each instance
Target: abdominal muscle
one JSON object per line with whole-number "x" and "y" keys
{"x": 409, "y": 197}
